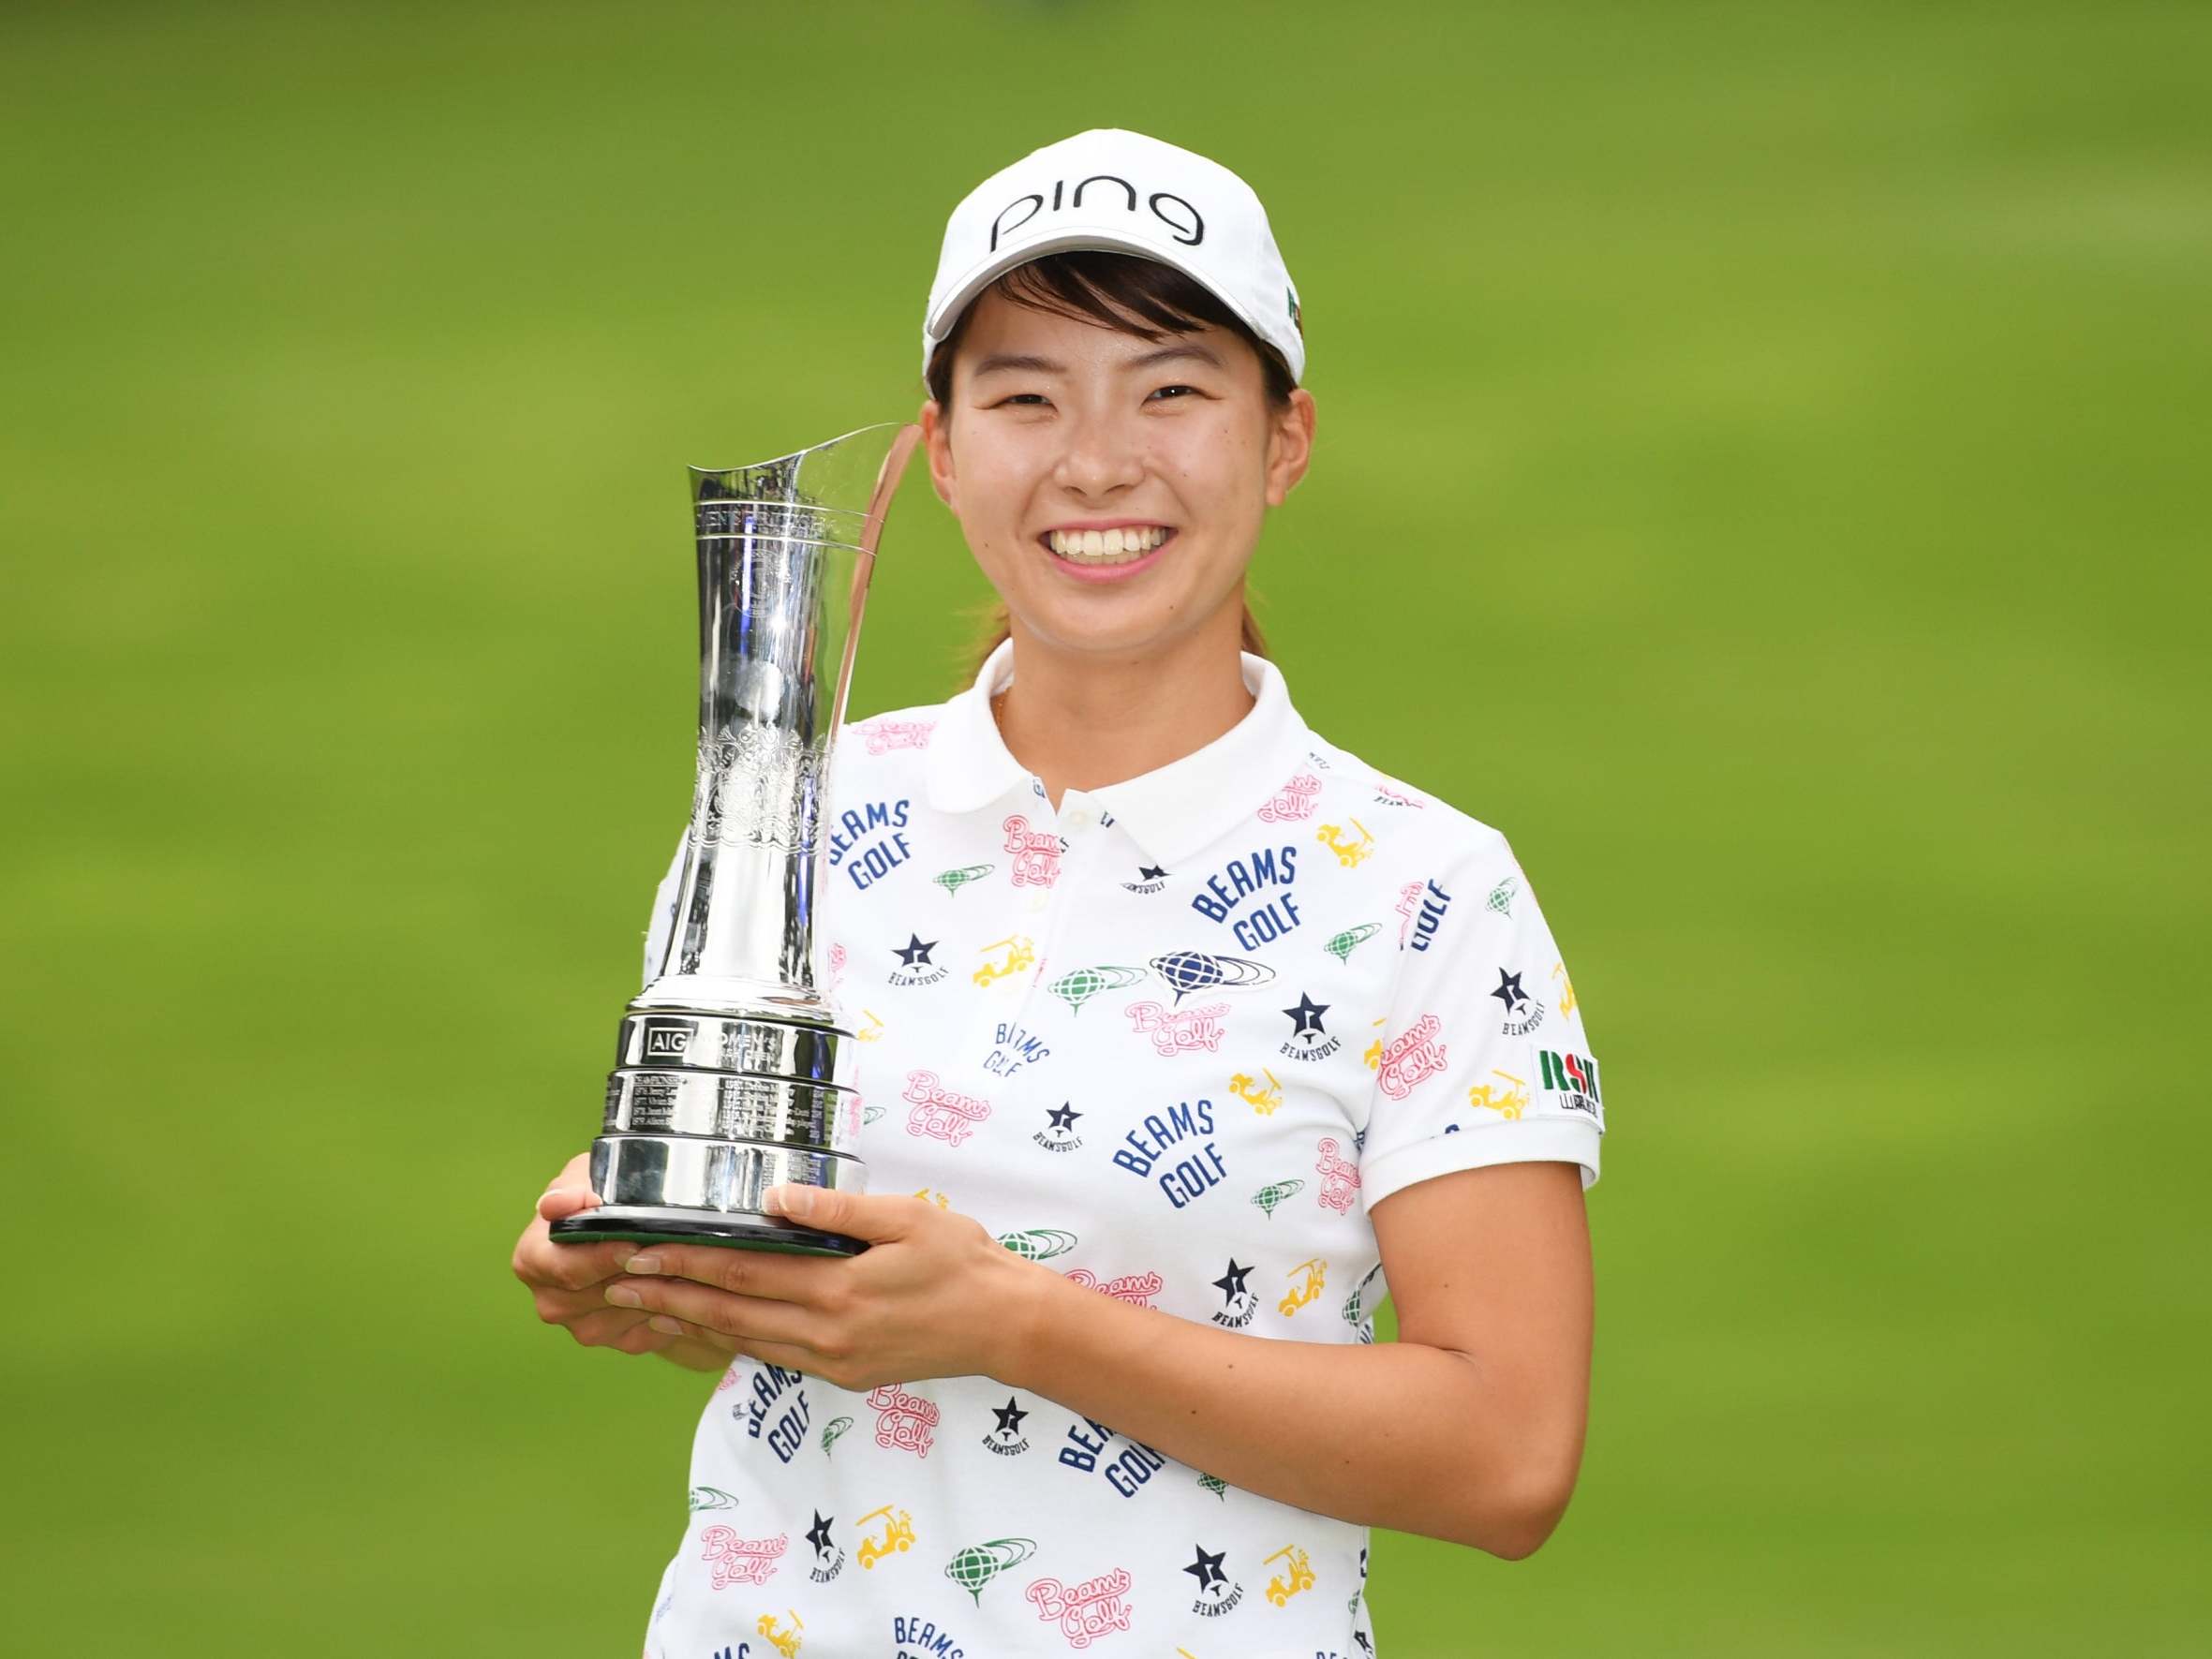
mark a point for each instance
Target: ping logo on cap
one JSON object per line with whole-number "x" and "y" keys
{"x": 1189, "y": 233}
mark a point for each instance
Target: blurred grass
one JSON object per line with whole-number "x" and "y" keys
{"x": 1773, "y": 433}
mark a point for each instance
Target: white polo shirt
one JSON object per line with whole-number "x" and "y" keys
{"x": 1172, "y": 1041}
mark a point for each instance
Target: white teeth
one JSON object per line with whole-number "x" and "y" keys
{"x": 1106, "y": 547}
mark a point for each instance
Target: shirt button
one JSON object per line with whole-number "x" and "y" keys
{"x": 1079, "y": 819}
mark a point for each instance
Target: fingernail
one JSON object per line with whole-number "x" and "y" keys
{"x": 625, "y": 1296}
{"x": 665, "y": 1325}
{"x": 642, "y": 1264}
{"x": 794, "y": 1201}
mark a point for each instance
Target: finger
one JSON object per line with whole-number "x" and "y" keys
{"x": 556, "y": 1202}
{"x": 876, "y": 1217}
{"x": 605, "y": 1328}
{"x": 742, "y": 1272}
{"x": 643, "y": 1339}
{"x": 571, "y": 1266}
{"x": 782, "y": 1353}
{"x": 696, "y": 1336}
{"x": 559, "y": 1307}
{"x": 747, "y": 1318}
{"x": 698, "y": 1353}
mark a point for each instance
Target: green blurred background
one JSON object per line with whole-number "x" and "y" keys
{"x": 1780, "y": 430}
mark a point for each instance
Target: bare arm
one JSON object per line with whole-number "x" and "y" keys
{"x": 1469, "y": 1428}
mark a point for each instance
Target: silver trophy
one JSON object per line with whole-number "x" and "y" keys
{"x": 733, "y": 1071}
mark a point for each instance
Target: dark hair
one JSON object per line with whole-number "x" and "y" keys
{"x": 1132, "y": 295}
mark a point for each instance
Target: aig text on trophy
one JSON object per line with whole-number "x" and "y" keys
{"x": 734, "y": 1072}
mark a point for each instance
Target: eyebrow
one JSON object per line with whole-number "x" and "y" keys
{"x": 1046, "y": 365}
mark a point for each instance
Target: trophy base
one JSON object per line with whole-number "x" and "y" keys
{"x": 652, "y": 1225}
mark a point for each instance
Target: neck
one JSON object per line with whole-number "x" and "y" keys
{"x": 1086, "y": 719}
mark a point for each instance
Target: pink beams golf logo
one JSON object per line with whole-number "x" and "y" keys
{"x": 1293, "y": 802}
{"x": 1339, "y": 1176}
{"x": 1409, "y": 904}
{"x": 1179, "y": 1030}
{"x": 1036, "y": 853}
{"x": 1412, "y": 1057}
{"x": 882, "y": 737}
{"x": 940, "y": 1113}
{"x": 904, "y": 1422}
{"x": 741, "y": 1561}
{"x": 1137, "y": 1289}
{"x": 1090, "y": 1611}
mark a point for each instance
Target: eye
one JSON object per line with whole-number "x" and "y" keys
{"x": 1018, "y": 396}
{"x": 1193, "y": 389}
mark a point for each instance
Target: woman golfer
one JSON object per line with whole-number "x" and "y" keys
{"x": 1185, "y": 1032}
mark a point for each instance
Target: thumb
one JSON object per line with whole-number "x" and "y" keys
{"x": 876, "y": 1217}
{"x": 557, "y": 1202}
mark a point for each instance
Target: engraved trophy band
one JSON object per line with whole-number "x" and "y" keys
{"x": 733, "y": 1071}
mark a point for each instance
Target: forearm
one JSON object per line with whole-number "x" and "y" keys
{"x": 1417, "y": 1439}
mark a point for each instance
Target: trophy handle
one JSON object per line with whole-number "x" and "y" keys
{"x": 887, "y": 477}
{"x": 879, "y": 505}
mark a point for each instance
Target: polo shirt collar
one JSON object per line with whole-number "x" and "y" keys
{"x": 1171, "y": 812}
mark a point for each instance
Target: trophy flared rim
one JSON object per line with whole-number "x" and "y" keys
{"x": 890, "y": 444}
{"x": 889, "y": 426}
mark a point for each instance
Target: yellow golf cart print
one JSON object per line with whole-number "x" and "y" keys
{"x": 898, "y": 1535}
{"x": 1297, "y": 1575}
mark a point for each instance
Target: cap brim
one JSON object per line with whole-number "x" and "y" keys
{"x": 1069, "y": 239}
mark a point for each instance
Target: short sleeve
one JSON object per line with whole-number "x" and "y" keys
{"x": 1483, "y": 1057}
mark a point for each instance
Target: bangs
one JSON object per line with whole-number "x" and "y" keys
{"x": 1125, "y": 293}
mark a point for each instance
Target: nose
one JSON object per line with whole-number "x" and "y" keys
{"x": 1103, "y": 453}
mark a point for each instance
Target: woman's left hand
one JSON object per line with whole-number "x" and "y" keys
{"x": 934, "y": 1295}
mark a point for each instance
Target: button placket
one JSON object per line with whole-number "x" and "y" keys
{"x": 1054, "y": 908}
{"x": 1033, "y": 915}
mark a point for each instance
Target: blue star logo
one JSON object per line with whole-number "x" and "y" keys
{"x": 1206, "y": 1569}
{"x": 914, "y": 951}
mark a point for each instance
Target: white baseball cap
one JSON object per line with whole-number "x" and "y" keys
{"x": 1126, "y": 193}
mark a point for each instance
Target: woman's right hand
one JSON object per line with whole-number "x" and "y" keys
{"x": 569, "y": 1282}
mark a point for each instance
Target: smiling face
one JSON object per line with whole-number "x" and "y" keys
{"x": 1063, "y": 438}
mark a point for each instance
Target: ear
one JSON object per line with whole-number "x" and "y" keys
{"x": 938, "y": 439}
{"x": 1290, "y": 446}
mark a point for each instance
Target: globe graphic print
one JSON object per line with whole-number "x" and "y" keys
{"x": 979, "y": 1564}
{"x": 1082, "y": 984}
{"x": 1200, "y": 970}
{"x": 1038, "y": 1243}
{"x": 1340, "y": 946}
